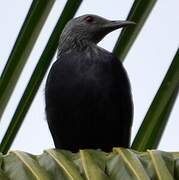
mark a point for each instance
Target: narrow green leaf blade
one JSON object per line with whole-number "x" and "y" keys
{"x": 133, "y": 163}
{"x": 25, "y": 41}
{"x": 68, "y": 166}
{"x": 139, "y": 14}
{"x": 160, "y": 165}
{"x": 38, "y": 74}
{"x": 31, "y": 165}
{"x": 153, "y": 126}
{"x": 91, "y": 168}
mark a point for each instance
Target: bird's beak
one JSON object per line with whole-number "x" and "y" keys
{"x": 113, "y": 25}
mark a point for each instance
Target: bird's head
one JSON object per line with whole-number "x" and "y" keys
{"x": 91, "y": 28}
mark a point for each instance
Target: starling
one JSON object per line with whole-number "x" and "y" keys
{"x": 87, "y": 94}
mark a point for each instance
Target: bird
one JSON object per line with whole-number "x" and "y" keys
{"x": 87, "y": 93}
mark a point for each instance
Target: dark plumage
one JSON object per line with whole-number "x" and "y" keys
{"x": 88, "y": 96}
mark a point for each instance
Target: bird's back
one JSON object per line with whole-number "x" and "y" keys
{"x": 88, "y": 101}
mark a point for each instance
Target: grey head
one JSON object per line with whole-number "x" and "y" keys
{"x": 88, "y": 29}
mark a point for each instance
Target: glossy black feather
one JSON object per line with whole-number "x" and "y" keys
{"x": 88, "y": 101}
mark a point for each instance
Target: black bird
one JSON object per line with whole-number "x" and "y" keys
{"x": 87, "y": 94}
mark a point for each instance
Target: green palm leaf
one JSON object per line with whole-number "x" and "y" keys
{"x": 91, "y": 165}
{"x": 139, "y": 13}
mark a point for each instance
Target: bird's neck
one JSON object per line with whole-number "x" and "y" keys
{"x": 69, "y": 43}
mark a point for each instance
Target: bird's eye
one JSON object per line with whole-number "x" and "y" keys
{"x": 89, "y": 19}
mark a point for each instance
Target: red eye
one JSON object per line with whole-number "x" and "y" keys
{"x": 89, "y": 19}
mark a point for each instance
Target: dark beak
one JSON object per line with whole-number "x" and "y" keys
{"x": 113, "y": 25}
{"x": 109, "y": 26}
